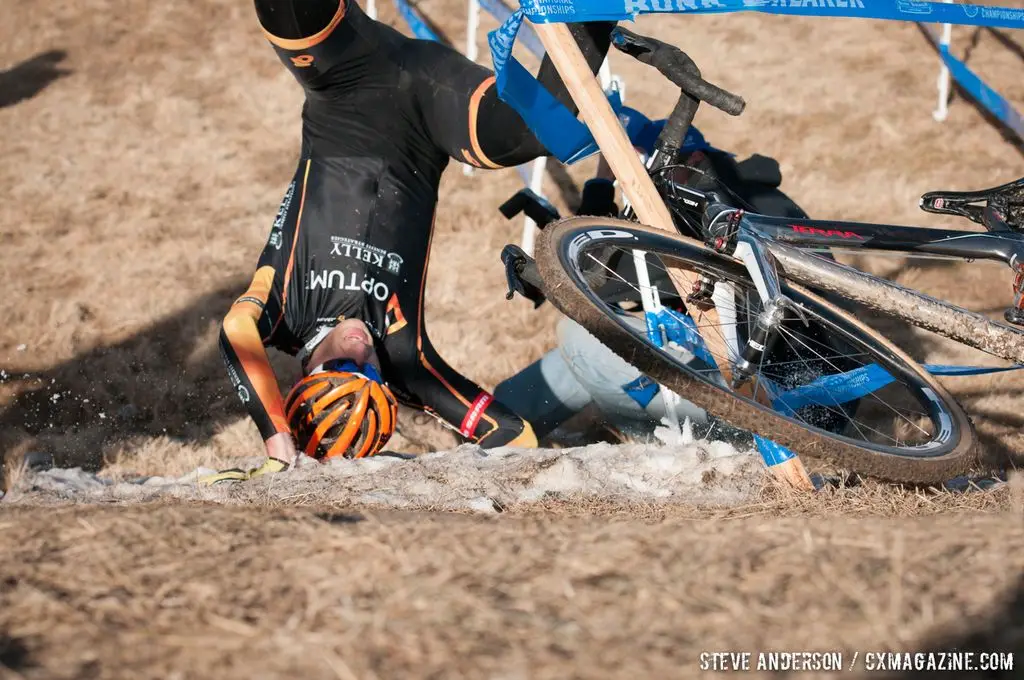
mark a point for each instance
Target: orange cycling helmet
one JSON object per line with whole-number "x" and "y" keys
{"x": 341, "y": 410}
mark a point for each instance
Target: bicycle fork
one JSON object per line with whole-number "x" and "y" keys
{"x": 752, "y": 251}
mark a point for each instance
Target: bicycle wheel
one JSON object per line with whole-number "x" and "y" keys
{"x": 808, "y": 393}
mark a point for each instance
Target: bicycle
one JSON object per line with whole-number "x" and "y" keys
{"x": 766, "y": 319}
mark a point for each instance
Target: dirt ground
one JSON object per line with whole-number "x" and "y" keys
{"x": 146, "y": 147}
{"x": 258, "y": 592}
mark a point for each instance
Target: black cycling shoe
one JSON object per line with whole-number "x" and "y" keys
{"x": 522, "y": 275}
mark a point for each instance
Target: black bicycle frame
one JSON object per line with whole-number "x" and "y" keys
{"x": 1005, "y": 247}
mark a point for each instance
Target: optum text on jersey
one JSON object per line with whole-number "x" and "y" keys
{"x": 348, "y": 281}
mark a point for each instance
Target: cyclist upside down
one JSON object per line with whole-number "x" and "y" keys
{"x": 383, "y": 115}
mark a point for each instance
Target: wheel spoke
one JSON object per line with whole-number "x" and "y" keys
{"x": 802, "y": 356}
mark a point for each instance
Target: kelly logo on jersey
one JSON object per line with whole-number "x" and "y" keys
{"x": 364, "y": 252}
{"x": 276, "y": 240}
{"x": 348, "y": 281}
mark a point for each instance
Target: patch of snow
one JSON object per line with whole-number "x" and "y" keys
{"x": 465, "y": 478}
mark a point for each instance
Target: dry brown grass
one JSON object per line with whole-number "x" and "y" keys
{"x": 140, "y": 175}
{"x": 323, "y": 593}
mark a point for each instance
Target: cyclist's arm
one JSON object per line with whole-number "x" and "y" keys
{"x": 463, "y": 114}
{"x": 249, "y": 369}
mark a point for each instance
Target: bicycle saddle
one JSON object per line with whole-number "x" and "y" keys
{"x": 1006, "y": 200}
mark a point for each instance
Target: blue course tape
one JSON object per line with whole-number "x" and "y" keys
{"x": 681, "y": 329}
{"x": 829, "y": 390}
{"x": 418, "y": 27}
{"x": 643, "y": 132}
{"x": 841, "y": 388}
{"x": 554, "y": 125}
{"x": 773, "y": 454}
{"x": 568, "y": 139}
{"x": 982, "y": 93}
{"x": 549, "y": 119}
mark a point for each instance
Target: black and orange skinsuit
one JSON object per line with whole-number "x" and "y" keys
{"x": 383, "y": 115}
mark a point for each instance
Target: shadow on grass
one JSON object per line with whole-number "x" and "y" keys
{"x": 30, "y": 77}
{"x": 14, "y": 654}
{"x": 166, "y": 380}
{"x": 994, "y": 639}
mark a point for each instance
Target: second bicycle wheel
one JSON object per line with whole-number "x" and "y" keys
{"x": 828, "y": 387}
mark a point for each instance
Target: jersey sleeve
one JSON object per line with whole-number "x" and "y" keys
{"x": 242, "y": 347}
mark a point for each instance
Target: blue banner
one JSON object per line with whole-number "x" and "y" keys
{"x": 500, "y": 11}
{"x": 563, "y": 11}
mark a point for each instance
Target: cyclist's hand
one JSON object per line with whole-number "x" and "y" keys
{"x": 269, "y": 466}
{"x": 281, "y": 455}
{"x": 282, "y": 447}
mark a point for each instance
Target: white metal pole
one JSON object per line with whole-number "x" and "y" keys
{"x": 604, "y": 75}
{"x": 472, "y": 26}
{"x": 537, "y": 185}
{"x": 942, "y": 109}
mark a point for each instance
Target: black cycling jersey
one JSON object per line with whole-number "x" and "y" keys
{"x": 383, "y": 115}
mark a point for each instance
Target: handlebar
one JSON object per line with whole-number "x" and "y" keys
{"x": 680, "y": 69}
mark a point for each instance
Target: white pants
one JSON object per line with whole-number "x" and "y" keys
{"x": 581, "y": 370}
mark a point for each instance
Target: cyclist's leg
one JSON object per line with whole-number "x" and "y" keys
{"x": 421, "y": 379}
{"x": 462, "y": 111}
{"x": 545, "y": 393}
{"x": 428, "y": 382}
{"x": 629, "y": 400}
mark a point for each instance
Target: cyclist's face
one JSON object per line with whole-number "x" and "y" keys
{"x": 352, "y": 341}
